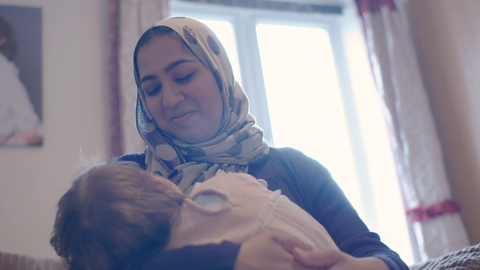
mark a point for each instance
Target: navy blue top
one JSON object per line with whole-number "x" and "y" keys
{"x": 307, "y": 183}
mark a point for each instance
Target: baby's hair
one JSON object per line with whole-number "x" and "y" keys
{"x": 9, "y": 48}
{"x": 112, "y": 215}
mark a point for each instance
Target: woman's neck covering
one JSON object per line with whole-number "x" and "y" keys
{"x": 239, "y": 141}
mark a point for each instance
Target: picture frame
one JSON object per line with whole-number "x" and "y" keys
{"x": 21, "y": 107}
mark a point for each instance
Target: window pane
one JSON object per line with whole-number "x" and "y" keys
{"x": 304, "y": 99}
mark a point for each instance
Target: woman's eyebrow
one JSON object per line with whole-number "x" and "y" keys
{"x": 166, "y": 70}
{"x": 148, "y": 77}
{"x": 176, "y": 63}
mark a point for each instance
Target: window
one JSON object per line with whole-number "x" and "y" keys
{"x": 309, "y": 84}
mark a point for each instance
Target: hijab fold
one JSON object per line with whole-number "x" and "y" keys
{"x": 239, "y": 141}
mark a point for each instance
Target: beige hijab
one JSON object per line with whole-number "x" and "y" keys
{"x": 239, "y": 141}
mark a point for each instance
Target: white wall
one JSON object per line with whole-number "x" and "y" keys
{"x": 75, "y": 81}
{"x": 447, "y": 40}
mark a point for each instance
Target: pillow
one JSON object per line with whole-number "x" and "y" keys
{"x": 464, "y": 259}
{"x": 9, "y": 261}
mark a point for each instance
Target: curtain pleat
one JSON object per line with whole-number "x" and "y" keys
{"x": 414, "y": 140}
{"x": 128, "y": 20}
{"x": 113, "y": 93}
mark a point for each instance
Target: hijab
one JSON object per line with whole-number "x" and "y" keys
{"x": 238, "y": 143}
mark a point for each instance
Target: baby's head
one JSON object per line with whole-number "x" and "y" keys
{"x": 112, "y": 215}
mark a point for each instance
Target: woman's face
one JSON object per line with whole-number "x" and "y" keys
{"x": 180, "y": 92}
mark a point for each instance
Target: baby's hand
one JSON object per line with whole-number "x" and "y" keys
{"x": 270, "y": 251}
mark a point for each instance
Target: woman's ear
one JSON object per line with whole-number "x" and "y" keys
{"x": 3, "y": 40}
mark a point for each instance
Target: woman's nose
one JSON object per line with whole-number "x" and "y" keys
{"x": 171, "y": 96}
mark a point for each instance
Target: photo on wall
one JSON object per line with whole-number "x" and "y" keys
{"x": 21, "y": 119}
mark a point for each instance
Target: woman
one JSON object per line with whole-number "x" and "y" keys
{"x": 19, "y": 124}
{"x": 194, "y": 118}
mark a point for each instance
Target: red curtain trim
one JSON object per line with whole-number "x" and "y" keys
{"x": 423, "y": 213}
{"x": 373, "y": 6}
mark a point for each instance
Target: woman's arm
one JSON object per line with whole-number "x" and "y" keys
{"x": 270, "y": 251}
{"x": 338, "y": 260}
{"x": 267, "y": 251}
{"x": 138, "y": 158}
{"x": 311, "y": 186}
{"x": 214, "y": 256}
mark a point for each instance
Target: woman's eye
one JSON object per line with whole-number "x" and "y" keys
{"x": 184, "y": 79}
{"x": 152, "y": 91}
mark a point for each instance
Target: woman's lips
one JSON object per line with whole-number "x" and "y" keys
{"x": 182, "y": 118}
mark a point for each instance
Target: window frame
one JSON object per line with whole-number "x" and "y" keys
{"x": 244, "y": 21}
{"x": 350, "y": 64}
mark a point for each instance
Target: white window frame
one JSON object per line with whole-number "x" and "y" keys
{"x": 337, "y": 25}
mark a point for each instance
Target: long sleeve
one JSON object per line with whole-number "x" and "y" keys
{"x": 213, "y": 256}
{"x": 310, "y": 185}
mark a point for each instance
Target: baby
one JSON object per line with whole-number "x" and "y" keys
{"x": 115, "y": 214}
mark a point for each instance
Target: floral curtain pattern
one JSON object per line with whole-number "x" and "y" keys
{"x": 433, "y": 214}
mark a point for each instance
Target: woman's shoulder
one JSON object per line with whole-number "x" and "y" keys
{"x": 285, "y": 153}
{"x": 284, "y": 161}
{"x": 292, "y": 157}
{"x": 134, "y": 157}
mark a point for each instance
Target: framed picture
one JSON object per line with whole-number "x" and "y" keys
{"x": 20, "y": 76}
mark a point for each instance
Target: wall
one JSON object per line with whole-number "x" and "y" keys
{"x": 75, "y": 80}
{"x": 446, "y": 35}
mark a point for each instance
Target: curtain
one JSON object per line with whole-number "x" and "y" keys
{"x": 115, "y": 148}
{"x": 128, "y": 20}
{"x": 432, "y": 213}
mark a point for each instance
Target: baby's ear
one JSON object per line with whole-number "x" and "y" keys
{"x": 263, "y": 182}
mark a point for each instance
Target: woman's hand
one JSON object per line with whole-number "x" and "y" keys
{"x": 270, "y": 251}
{"x": 337, "y": 260}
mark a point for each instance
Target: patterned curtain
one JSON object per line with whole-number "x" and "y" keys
{"x": 128, "y": 20}
{"x": 432, "y": 213}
